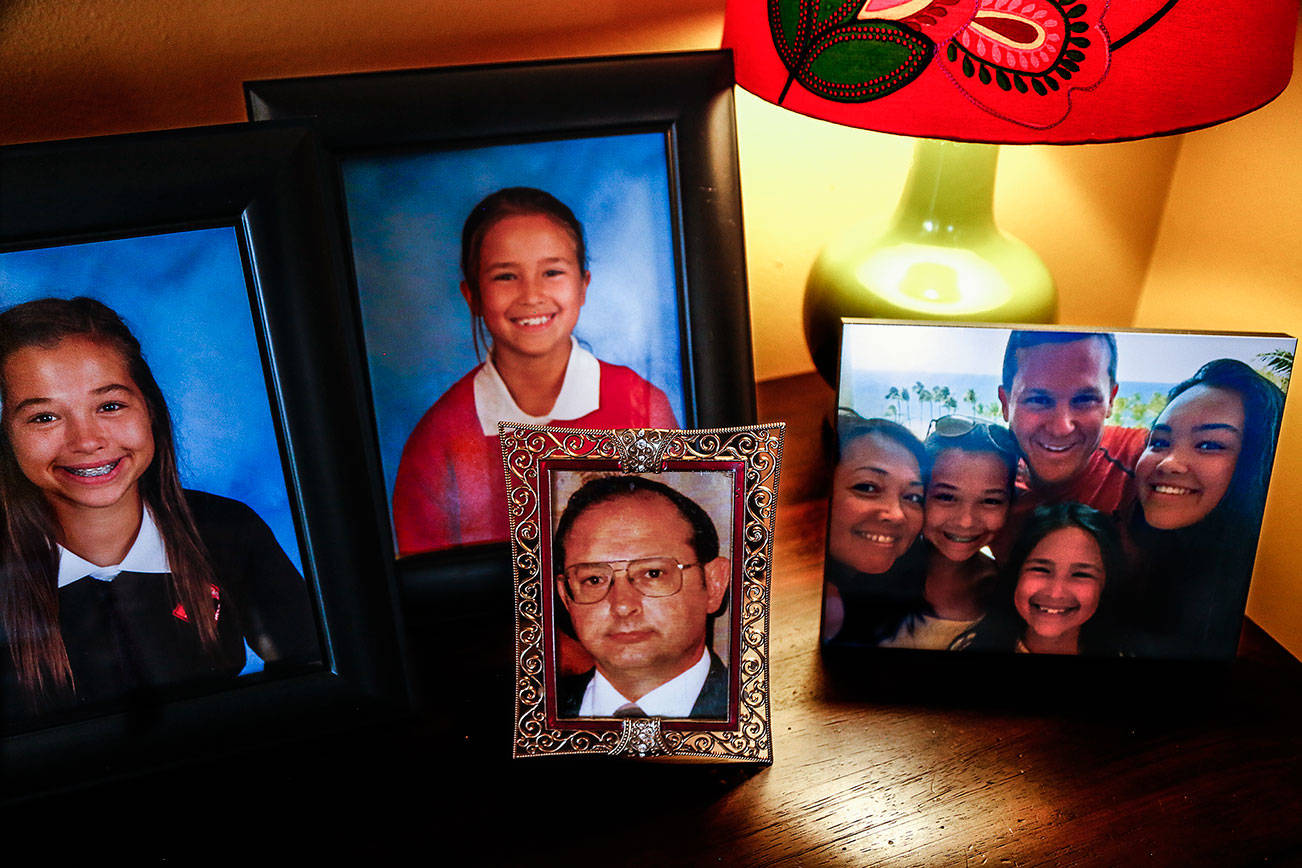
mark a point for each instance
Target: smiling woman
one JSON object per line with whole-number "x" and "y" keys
{"x": 874, "y": 565}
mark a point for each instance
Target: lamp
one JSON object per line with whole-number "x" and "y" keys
{"x": 968, "y": 75}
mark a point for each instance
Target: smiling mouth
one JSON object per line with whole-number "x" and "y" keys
{"x": 534, "y": 321}
{"x": 1173, "y": 490}
{"x": 881, "y": 539}
{"x": 1056, "y": 449}
{"x": 93, "y": 472}
{"x": 961, "y": 540}
{"x": 1056, "y": 611}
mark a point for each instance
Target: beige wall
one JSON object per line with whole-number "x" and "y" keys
{"x": 88, "y": 67}
{"x": 1198, "y": 231}
{"x": 1229, "y": 257}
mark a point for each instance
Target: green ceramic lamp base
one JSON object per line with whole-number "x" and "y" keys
{"x": 942, "y": 258}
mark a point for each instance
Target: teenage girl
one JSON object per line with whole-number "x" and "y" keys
{"x": 1201, "y": 484}
{"x": 525, "y": 280}
{"x": 113, "y": 579}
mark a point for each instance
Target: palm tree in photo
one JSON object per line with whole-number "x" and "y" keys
{"x": 1279, "y": 367}
{"x": 942, "y": 397}
{"x": 922, "y": 394}
{"x": 894, "y": 395}
{"x": 1120, "y": 405}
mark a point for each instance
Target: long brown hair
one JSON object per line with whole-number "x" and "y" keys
{"x": 29, "y": 600}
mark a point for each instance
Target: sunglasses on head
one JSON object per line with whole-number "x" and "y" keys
{"x": 961, "y": 426}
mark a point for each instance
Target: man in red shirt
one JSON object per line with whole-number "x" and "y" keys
{"x": 1057, "y": 390}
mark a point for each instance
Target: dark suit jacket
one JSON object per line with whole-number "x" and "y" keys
{"x": 711, "y": 702}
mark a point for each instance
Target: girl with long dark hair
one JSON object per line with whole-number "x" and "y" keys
{"x": 1201, "y": 490}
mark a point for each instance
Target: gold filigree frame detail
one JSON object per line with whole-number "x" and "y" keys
{"x": 757, "y": 452}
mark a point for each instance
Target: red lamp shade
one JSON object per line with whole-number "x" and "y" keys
{"x": 1015, "y": 71}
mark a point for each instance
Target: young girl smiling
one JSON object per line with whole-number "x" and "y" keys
{"x": 969, "y": 488}
{"x": 1055, "y": 593}
{"x": 526, "y": 277}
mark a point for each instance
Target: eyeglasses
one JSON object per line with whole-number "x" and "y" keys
{"x": 651, "y": 577}
{"x": 960, "y": 426}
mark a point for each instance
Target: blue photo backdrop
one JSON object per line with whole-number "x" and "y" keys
{"x": 184, "y": 297}
{"x": 405, "y": 214}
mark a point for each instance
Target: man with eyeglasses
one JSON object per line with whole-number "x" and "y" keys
{"x": 640, "y": 574}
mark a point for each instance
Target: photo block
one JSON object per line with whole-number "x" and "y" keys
{"x": 642, "y": 562}
{"x": 1046, "y": 491}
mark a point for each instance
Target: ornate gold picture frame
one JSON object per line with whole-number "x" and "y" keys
{"x": 642, "y": 561}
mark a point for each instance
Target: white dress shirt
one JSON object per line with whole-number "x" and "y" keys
{"x": 674, "y": 698}
{"x": 146, "y": 555}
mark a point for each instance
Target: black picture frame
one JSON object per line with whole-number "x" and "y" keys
{"x": 686, "y": 97}
{"x": 263, "y": 181}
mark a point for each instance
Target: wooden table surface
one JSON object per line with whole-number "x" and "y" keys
{"x": 869, "y": 768}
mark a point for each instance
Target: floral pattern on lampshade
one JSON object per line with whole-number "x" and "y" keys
{"x": 1017, "y": 59}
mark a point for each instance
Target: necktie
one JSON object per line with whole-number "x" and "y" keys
{"x": 629, "y": 709}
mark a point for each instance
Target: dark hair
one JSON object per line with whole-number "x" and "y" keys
{"x": 1191, "y": 581}
{"x": 1101, "y": 634}
{"x": 875, "y": 605}
{"x": 1021, "y": 340}
{"x": 850, "y": 426}
{"x": 704, "y": 541}
{"x": 980, "y": 438}
{"x": 29, "y": 607}
{"x": 509, "y": 202}
{"x": 1263, "y": 408}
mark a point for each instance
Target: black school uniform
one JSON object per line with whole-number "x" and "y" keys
{"x": 130, "y": 636}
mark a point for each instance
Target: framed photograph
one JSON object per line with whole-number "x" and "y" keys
{"x": 190, "y": 554}
{"x": 1046, "y": 492}
{"x": 537, "y": 243}
{"x": 642, "y": 562}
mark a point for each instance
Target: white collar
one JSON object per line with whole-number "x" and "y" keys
{"x": 674, "y": 698}
{"x": 146, "y": 555}
{"x": 580, "y": 393}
